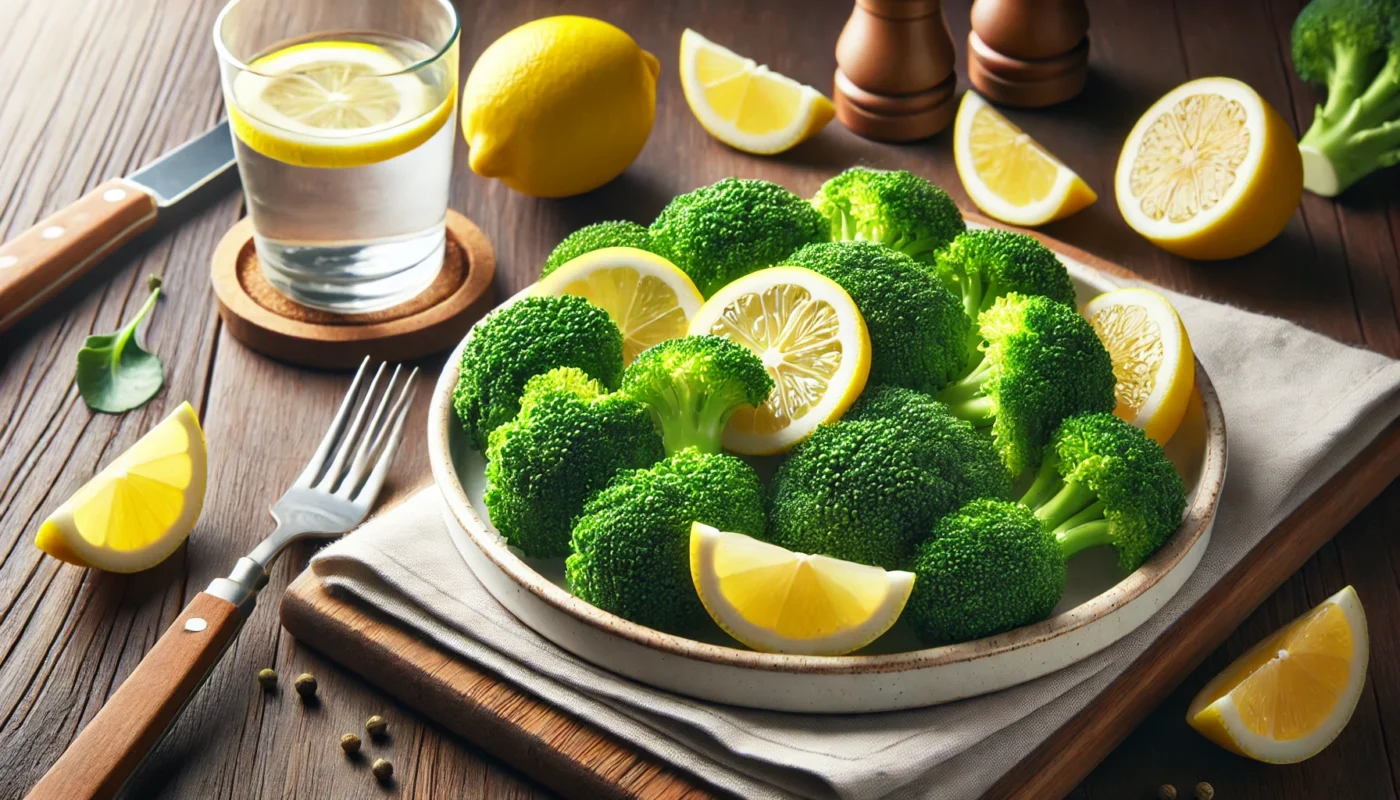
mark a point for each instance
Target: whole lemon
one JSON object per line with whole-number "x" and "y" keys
{"x": 559, "y": 106}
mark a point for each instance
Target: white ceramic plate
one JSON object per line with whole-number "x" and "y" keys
{"x": 1099, "y": 608}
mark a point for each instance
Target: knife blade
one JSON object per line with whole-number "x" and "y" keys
{"x": 58, "y": 249}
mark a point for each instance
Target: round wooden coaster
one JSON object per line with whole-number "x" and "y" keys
{"x": 267, "y": 321}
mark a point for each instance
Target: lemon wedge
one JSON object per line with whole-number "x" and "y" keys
{"x": 1210, "y": 171}
{"x": 812, "y": 340}
{"x": 1007, "y": 173}
{"x": 744, "y": 104}
{"x": 1152, "y": 358}
{"x": 648, "y": 297}
{"x": 135, "y": 512}
{"x": 1291, "y": 694}
{"x": 778, "y": 601}
{"x": 335, "y": 104}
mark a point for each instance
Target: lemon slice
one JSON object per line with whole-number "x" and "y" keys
{"x": 745, "y": 105}
{"x": 334, "y": 104}
{"x": 1209, "y": 171}
{"x": 1152, "y": 358}
{"x": 1291, "y": 694}
{"x": 135, "y": 512}
{"x": 648, "y": 297}
{"x": 778, "y": 601}
{"x": 1007, "y": 174}
{"x": 812, "y": 340}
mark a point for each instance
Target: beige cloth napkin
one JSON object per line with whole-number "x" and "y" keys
{"x": 1298, "y": 407}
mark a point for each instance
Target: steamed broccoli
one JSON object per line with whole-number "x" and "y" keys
{"x": 568, "y": 440}
{"x": 632, "y": 544}
{"x": 984, "y": 570}
{"x": 1353, "y": 47}
{"x": 619, "y": 233}
{"x": 897, "y": 209}
{"x": 693, "y": 385}
{"x": 1041, "y": 363}
{"x": 726, "y": 230}
{"x": 915, "y": 324}
{"x": 1103, "y": 481}
{"x": 524, "y": 339}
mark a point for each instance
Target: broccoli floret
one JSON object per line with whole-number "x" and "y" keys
{"x": 1103, "y": 481}
{"x": 1353, "y": 48}
{"x": 726, "y": 230}
{"x": 522, "y": 340}
{"x": 568, "y": 440}
{"x": 632, "y": 544}
{"x": 693, "y": 385}
{"x": 1041, "y": 363}
{"x": 618, "y": 233}
{"x": 915, "y": 324}
{"x": 984, "y": 570}
{"x": 898, "y": 209}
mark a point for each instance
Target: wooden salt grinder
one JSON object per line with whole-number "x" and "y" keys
{"x": 894, "y": 70}
{"x": 1028, "y": 53}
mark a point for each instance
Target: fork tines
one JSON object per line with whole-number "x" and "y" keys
{"x": 352, "y": 459}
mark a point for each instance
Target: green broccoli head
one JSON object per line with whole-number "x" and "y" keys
{"x": 522, "y": 340}
{"x": 1041, "y": 363}
{"x": 986, "y": 569}
{"x": 916, "y": 325}
{"x": 1103, "y": 481}
{"x": 597, "y": 236}
{"x": 728, "y": 229}
{"x": 632, "y": 545}
{"x": 1353, "y": 48}
{"x": 693, "y": 385}
{"x": 898, "y": 209}
{"x": 568, "y": 440}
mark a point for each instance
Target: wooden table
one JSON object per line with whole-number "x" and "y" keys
{"x": 93, "y": 90}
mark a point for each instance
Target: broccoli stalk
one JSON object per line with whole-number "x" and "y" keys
{"x": 897, "y": 209}
{"x": 1353, "y": 48}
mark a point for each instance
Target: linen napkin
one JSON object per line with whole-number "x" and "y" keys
{"x": 1298, "y": 406}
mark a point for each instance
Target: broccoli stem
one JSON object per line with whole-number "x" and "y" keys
{"x": 691, "y": 418}
{"x": 969, "y": 387}
{"x": 1047, "y": 482}
{"x": 1065, "y": 505}
{"x": 1091, "y": 534}
{"x": 1356, "y": 132}
{"x": 980, "y": 411}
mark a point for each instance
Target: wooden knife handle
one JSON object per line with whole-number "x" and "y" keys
{"x": 53, "y": 253}
{"x": 107, "y": 751}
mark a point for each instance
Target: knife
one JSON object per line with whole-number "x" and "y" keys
{"x": 53, "y": 253}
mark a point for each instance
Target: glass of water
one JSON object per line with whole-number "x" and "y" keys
{"x": 342, "y": 117}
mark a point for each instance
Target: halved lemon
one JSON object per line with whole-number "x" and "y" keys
{"x": 1152, "y": 358}
{"x": 778, "y": 601}
{"x": 135, "y": 512}
{"x": 648, "y": 297}
{"x": 1291, "y": 694}
{"x": 335, "y": 104}
{"x": 1007, "y": 173}
{"x": 1210, "y": 171}
{"x": 744, "y": 104}
{"x": 812, "y": 340}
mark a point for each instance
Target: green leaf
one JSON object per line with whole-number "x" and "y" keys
{"x": 114, "y": 374}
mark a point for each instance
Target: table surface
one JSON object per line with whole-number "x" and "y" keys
{"x": 94, "y": 90}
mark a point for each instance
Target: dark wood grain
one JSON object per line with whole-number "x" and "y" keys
{"x": 93, "y": 90}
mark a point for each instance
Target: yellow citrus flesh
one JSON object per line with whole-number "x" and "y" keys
{"x": 1007, "y": 173}
{"x": 1210, "y": 171}
{"x": 744, "y": 104}
{"x": 1291, "y": 694}
{"x": 334, "y": 104}
{"x": 649, "y": 298}
{"x": 812, "y": 340}
{"x": 1152, "y": 358}
{"x": 778, "y": 601}
{"x": 137, "y": 510}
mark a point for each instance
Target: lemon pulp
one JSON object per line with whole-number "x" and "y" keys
{"x": 1189, "y": 157}
{"x": 1134, "y": 341}
{"x": 1009, "y": 161}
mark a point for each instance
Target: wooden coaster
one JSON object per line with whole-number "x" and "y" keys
{"x": 267, "y": 321}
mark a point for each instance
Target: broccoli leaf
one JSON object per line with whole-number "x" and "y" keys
{"x": 115, "y": 374}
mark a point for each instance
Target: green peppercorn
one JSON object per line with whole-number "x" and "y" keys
{"x": 350, "y": 743}
{"x": 376, "y": 726}
{"x": 306, "y": 686}
{"x": 1204, "y": 791}
{"x": 382, "y": 770}
{"x": 267, "y": 679}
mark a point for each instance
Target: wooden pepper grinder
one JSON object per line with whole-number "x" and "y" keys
{"x": 894, "y": 70}
{"x": 1028, "y": 53}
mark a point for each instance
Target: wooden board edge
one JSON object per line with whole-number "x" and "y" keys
{"x": 551, "y": 746}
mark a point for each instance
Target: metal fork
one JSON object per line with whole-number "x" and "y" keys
{"x": 331, "y": 496}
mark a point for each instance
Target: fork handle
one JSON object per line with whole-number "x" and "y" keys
{"x": 108, "y": 750}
